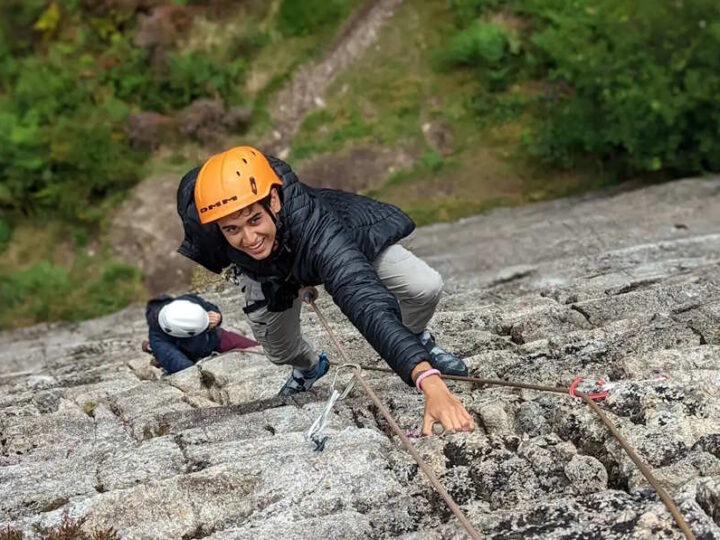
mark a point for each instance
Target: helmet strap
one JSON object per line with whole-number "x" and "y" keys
{"x": 278, "y": 223}
{"x": 265, "y": 203}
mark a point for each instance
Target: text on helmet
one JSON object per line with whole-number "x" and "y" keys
{"x": 218, "y": 204}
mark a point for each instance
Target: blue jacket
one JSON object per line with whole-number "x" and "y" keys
{"x": 175, "y": 354}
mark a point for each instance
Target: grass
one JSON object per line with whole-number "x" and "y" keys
{"x": 89, "y": 408}
{"x": 285, "y": 51}
{"x": 51, "y": 271}
{"x": 392, "y": 90}
{"x": 396, "y": 88}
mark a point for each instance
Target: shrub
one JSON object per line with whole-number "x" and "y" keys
{"x": 7, "y": 63}
{"x": 194, "y": 75}
{"x": 635, "y": 83}
{"x": 66, "y": 167}
{"x": 489, "y": 48}
{"x": 481, "y": 44}
{"x": 62, "y": 147}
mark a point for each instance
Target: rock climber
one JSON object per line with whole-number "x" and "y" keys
{"x": 185, "y": 329}
{"x": 248, "y": 214}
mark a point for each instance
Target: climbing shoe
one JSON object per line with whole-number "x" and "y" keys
{"x": 302, "y": 381}
{"x": 440, "y": 359}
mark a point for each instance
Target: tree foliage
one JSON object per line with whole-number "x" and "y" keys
{"x": 632, "y": 84}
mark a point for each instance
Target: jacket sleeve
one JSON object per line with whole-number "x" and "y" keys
{"x": 355, "y": 287}
{"x": 167, "y": 354}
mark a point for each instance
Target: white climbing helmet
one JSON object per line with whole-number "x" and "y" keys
{"x": 182, "y": 318}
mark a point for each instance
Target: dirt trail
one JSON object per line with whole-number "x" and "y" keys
{"x": 307, "y": 88}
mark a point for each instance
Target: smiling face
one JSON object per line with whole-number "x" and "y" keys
{"x": 251, "y": 229}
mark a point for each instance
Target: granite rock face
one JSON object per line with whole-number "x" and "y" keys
{"x": 622, "y": 287}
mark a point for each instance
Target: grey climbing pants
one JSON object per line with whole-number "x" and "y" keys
{"x": 416, "y": 286}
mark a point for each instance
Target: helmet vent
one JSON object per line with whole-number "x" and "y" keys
{"x": 237, "y": 172}
{"x": 244, "y": 161}
{"x": 253, "y": 185}
{"x": 253, "y": 153}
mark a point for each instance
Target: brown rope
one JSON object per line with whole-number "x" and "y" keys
{"x": 403, "y": 438}
{"x": 490, "y": 382}
{"x": 647, "y": 473}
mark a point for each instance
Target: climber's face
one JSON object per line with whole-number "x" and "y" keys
{"x": 251, "y": 229}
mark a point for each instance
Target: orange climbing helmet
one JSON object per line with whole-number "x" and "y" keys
{"x": 233, "y": 180}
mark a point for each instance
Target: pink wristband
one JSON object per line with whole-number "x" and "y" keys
{"x": 423, "y": 376}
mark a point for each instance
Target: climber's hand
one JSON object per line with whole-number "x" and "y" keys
{"x": 442, "y": 406}
{"x": 308, "y": 294}
{"x": 215, "y": 318}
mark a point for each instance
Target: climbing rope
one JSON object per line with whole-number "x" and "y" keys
{"x": 572, "y": 391}
{"x": 644, "y": 469}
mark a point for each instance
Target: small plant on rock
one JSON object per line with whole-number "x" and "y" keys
{"x": 10, "y": 534}
{"x": 89, "y": 408}
{"x": 71, "y": 529}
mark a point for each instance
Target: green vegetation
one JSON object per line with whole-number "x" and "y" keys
{"x": 307, "y": 17}
{"x": 52, "y": 271}
{"x": 496, "y": 102}
{"x": 541, "y": 98}
{"x": 410, "y": 81}
{"x": 69, "y": 86}
{"x": 5, "y": 235}
{"x": 70, "y": 77}
{"x": 45, "y": 291}
{"x": 89, "y": 408}
{"x": 630, "y": 86}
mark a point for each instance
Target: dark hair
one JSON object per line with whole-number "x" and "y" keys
{"x": 153, "y": 307}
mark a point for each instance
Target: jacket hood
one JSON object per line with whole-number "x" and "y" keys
{"x": 153, "y": 307}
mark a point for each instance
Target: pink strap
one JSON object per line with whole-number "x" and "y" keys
{"x": 423, "y": 376}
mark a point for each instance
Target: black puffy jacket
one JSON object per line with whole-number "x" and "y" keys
{"x": 328, "y": 237}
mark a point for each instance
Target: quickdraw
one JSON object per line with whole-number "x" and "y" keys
{"x": 317, "y": 428}
{"x": 605, "y": 387}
